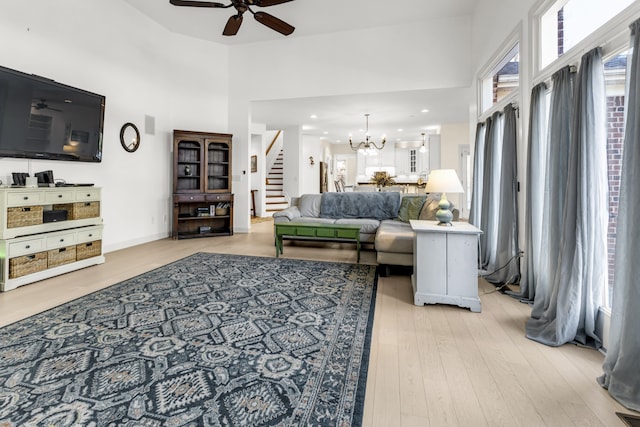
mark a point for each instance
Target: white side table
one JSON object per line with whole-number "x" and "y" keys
{"x": 445, "y": 264}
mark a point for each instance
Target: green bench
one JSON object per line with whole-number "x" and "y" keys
{"x": 328, "y": 232}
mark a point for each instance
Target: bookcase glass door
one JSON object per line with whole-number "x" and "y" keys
{"x": 218, "y": 166}
{"x": 188, "y": 164}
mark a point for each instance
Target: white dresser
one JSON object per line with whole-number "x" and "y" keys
{"x": 445, "y": 264}
{"x": 33, "y": 249}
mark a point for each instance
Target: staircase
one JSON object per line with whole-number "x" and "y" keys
{"x": 275, "y": 197}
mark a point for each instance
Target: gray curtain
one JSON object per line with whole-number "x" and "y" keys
{"x": 490, "y": 180}
{"x": 478, "y": 161}
{"x": 621, "y": 366}
{"x": 504, "y": 266}
{"x": 535, "y": 203}
{"x": 567, "y": 310}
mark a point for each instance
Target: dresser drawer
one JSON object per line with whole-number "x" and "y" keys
{"x": 89, "y": 235}
{"x": 87, "y": 194}
{"x": 61, "y": 196}
{"x": 25, "y": 199}
{"x": 61, "y": 240}
{"x": 219, "y": 197}
{"x": 25, "y": 247}
{"x": 186, "y": 198}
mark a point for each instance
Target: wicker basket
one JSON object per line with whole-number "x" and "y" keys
{"x": 61, "y": 256}
{"x": 222, "y": 211}
{"x": 23, "y": 265}
{"x": 81, "y": 210}
{"x": 24, "y": 216}
{"x": 88, "y": 250}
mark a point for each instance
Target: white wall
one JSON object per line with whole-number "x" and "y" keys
{"x": 310, "y": 174}
{"x": 451, "y": 137}
{"x": 143, "y": 70}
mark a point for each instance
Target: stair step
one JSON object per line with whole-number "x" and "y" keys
{"x": 275, "y": 199}
{"x": 276, "y": 208}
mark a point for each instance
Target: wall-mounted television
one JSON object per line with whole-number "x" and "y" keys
{"x": 43, "y": 119}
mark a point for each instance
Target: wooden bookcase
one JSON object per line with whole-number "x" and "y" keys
{"x": 202, "y": 197}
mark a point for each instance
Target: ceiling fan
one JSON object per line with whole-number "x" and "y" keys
{"x": 233, "y": 24}
{"x": 42, "y": 105}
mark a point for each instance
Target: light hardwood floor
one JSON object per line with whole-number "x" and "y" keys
{"x": 430, "y": 366}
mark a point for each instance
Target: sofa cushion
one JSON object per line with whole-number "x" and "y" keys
{"x": 394, "y": 236}
{"x": 360, "y": 205}
{"x": 291, "y": 213}
{"x": 410, "y": 207}
{"x": 369, "y": 226}
{"x": 309, "y": 205}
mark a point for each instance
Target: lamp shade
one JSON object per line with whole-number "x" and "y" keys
{"x": 443, "y": 181}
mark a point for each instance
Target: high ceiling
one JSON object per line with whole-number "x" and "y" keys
{"x": 337, "y": 116}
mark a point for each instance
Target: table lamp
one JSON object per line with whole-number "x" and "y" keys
{"x": 443, "y": 181}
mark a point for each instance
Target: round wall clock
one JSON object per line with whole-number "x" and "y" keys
{"x": 130, "y": 137}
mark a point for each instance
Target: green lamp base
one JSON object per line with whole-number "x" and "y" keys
{"x": 443, "y": 214}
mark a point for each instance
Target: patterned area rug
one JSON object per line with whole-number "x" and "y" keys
{"x": 210, "y": 340}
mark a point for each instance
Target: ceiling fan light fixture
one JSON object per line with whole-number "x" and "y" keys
{"x": 242, "y": 6}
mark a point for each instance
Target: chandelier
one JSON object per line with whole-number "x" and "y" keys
{"x": 367, "y": 146}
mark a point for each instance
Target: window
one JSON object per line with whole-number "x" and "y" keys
{"x": 502, "y": 79}
{"x": 412, "y": 161}
{"x": 567, "y": 22}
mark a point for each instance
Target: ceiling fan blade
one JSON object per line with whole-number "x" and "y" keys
{"x": 233, "y": 25}
{"x": 193, "y": 3}
{"x": 273, "y": 23}
{"x": 265, "y": 3}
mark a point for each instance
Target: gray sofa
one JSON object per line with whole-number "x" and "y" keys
{"x": 383, "y": 216}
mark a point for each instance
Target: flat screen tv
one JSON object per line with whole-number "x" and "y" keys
{"x": 43, "y": 119}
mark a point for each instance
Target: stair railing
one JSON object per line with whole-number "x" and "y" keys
{"x": 274, "y": 150}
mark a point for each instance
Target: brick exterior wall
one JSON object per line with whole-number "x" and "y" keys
{"x": 615, "y": 142}
{"x": 560, "y": 32}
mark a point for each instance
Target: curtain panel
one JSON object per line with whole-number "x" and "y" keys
{"x": 535, "y": 203}
{"x": 487, "y": 204}
{"x": 478, "y": 161}
{"x": 504, "y": 266}
{"x": 566, "y": 311}
{"x": 622, "y": 364}
{"x": 550, "y": 182}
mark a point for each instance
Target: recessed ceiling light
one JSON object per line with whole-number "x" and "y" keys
{"x": 424, "y": 110}
{"x": 400, "y": 130}
{"x": 313, "y": 116}
{"x": 325, "y": 132}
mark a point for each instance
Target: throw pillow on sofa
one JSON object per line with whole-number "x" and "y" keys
{"x": 410, "y": 208}
{"x": 430, "y": 207}
{"x": 309, "y": 205}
